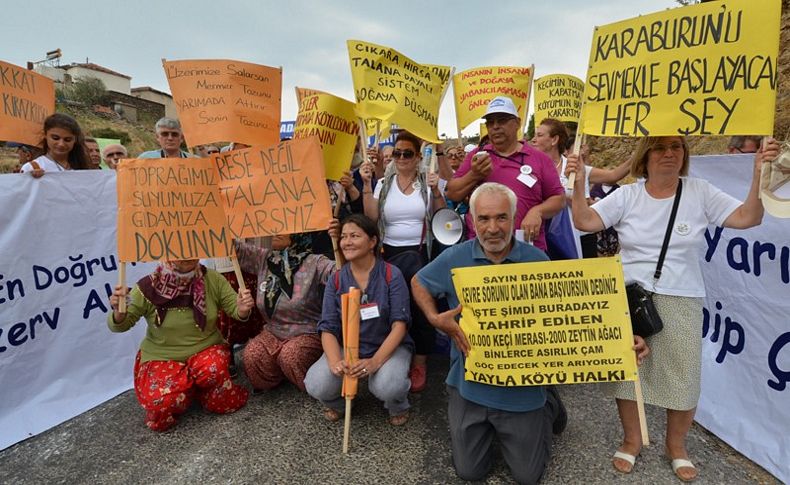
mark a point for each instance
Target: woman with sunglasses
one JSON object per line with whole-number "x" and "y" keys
{"x": 402, "y": 205}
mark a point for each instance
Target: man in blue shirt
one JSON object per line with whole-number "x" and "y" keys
{"x": 522, "y": 417}
{"x": 169, "y": 136}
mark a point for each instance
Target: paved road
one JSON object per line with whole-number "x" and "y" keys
{"x": 280, "y": 437}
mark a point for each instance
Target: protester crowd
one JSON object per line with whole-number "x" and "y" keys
{"x": 513, "y": 197}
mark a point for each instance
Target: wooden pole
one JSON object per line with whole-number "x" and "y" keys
{"x": 351, "y": 355}
{"x": 576, "y": 147}
{"x": 529, "y": 97}
{"x": 640, "y": 406}
{"x": 335, "y": 246}
{"x": 122, "y": 284}
{"x": 237, "y": 270}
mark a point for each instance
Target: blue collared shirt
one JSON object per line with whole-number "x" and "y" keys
{"x": 437, "y": 279}
{"x": 161, "y": 154}
{"x": 391, "y": 298}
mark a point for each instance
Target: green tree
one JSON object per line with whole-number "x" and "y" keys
{"x": 86, "y": 90}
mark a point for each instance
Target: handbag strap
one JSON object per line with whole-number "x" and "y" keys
{"x": 668, "y": 233}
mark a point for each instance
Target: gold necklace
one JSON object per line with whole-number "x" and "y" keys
{"x": 411, "y": 180}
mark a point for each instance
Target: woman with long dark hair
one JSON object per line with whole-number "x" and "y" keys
{"x": 63, "y": 145}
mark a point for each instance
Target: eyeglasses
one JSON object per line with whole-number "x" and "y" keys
{"x": 675, "y": 147}
{"x": 402, "y": 154}
{"x": 114, "y": 154}
{"x": 455, "y": 154}
{"x": 212, "y": 152}
{"x": 170, "y": 134}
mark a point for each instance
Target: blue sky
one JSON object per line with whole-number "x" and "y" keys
{"x": 307, "y": 38}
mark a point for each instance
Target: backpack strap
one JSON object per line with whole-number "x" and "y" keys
{"x": 387, "y": 272}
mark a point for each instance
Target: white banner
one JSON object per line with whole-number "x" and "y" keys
{"x": 746, "y": 327}
{"x": 57, "y": 267}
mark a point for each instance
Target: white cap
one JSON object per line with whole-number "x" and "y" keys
{"x": 501, "y": 104}
{"x": 468, "y": 148}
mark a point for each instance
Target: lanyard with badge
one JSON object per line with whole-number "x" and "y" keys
{"x": 525, "y": 171}
{"x": 367, "y": 310}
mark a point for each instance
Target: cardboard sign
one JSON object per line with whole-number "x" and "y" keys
{"x": 279, "y": 189}
{"x": 706, "y": 69}
{"x": 474, "y": 88}
{"x": 226, "y": 100}
{"x": 559, "y": 322}
{"x": 392, "y": 87}
{"x": 333, "y": 121}
{"x": 169, "y": 209}
{"x": 558, "y": 96}
{"x": 27, "y": 99}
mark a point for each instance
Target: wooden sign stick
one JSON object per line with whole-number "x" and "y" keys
{"x": 640, "y": 406}
{"x": 122, "y": 284}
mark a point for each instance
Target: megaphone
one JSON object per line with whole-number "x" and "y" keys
{"x": 447, "y": 226}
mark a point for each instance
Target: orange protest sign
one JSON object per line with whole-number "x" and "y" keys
{"x": 28, "y": 98}
{"x": 351, "y": 339}
{"x": 280, "y": 189}
{"x": 226, "y": 100}
{"x": 168, "y": 209}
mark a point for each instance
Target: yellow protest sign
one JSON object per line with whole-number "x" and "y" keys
{"x": 28, "y": 98}
{"x": 706, "y": 69}
{"x": 384, "y": 128}
{"x": 280, "y": 189}
{"x": 474, "y": 88}
{"x": 168, "y": 209}
{"x": 333, "y": 121}
{"x": 558, "y": 96}
{"x": 558, "y": 322}
{"x": 225, "y": 100}
{"x": 392, "y": 87}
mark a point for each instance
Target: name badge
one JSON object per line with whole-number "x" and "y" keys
{"x": 527, "y": 179}
{"x": 366, "y": 312}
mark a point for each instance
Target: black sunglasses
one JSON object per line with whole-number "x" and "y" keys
{"x": 402, "y": 154}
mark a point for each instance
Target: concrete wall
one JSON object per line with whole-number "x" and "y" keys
{"x": 112, "y": 83}
{"x": 156, "y": 97}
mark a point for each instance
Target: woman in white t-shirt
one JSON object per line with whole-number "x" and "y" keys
{"x": 640, "y": 213}
{"x": 551, "y": 137}
{"x": 64, "y": 147}
{"x": 402, "y": 206}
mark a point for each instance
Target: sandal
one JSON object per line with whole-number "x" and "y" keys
{"x": 679, "y": 463}
{"x": 399, "y": 419}
{"x": 332, "y": 415}
{"x": 628, "y": 458}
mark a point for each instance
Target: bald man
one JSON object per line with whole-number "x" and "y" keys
{"x": 113, "y": 153}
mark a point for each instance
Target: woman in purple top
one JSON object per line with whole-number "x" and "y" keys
{"x": 290, "y": 283}
{"x": 385, "y": 348}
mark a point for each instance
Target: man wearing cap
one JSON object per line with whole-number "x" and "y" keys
{"x": 113, "y": 153}
{"x": 525, "y": 170}
{"x": 25, "y": 153}
{"x": 169, "y": 136}
{"x": 522, "y": 418}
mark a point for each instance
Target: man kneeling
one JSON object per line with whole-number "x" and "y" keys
{"x": 522, "y": 417}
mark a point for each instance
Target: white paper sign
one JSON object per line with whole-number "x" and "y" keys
{"x": 57, "y": 264}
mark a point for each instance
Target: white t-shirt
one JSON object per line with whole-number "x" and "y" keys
{"x": 404, "y": 215}
{"x": 641, "y": 221}
{"x": 46, "y": 163}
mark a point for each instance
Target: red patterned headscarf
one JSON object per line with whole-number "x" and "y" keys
{"x": 170, "y": 288}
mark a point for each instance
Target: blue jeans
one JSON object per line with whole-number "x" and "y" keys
{"x": 389, "y": 384}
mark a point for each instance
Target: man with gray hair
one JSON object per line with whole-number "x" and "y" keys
{"x": 113, "y": 153}
{"x": 169, "y": 136}
{"x": 522, "y": 417}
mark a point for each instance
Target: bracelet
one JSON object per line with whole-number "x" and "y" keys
{"x": 439, "y": 154}
{"x": 367, "y": 191}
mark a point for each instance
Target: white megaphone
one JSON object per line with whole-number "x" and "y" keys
{"x": 447, "y": 226}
